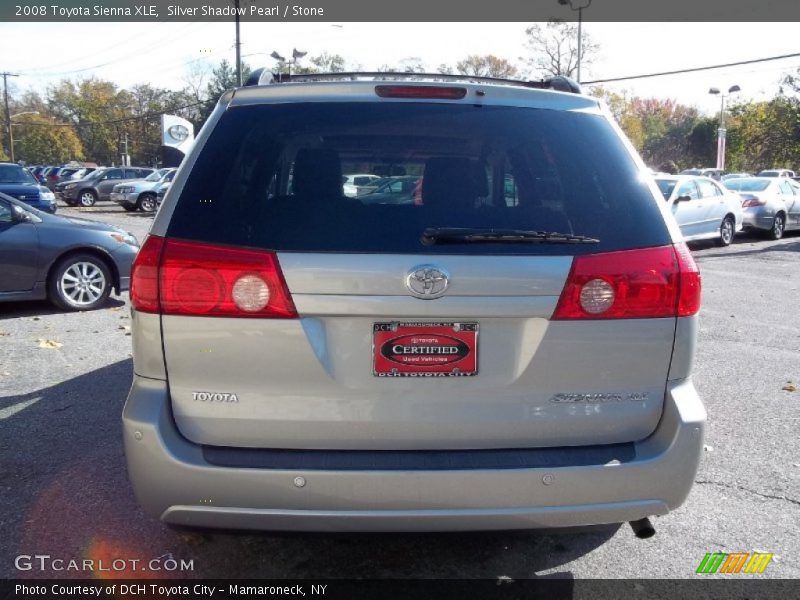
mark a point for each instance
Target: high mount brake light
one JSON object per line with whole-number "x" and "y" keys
{"x": 175, "y": 277}
{"x": 420, "y": 91}
{"x": 631, "y": 284}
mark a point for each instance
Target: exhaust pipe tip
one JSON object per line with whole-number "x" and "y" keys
{"x": 643, "y": 528}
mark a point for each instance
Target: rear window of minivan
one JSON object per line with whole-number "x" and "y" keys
{"x": 270, "y": 176}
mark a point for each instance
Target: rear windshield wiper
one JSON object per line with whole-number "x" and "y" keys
{"x": 465, "y": 235}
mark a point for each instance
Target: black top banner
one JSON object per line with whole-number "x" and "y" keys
{"x": 405, "y": 11}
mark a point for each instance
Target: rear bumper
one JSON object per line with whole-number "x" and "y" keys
{"x": 173, "y": 481}
{"x": 760, "y": 217}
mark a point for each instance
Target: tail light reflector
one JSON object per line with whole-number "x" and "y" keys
{"x": 208, "y": 280}
{"x": 631, "y": 284}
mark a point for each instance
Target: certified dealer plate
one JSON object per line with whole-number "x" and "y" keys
{"x": 425, "y": 349}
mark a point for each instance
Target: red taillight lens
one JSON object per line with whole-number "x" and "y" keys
{"x": 189, "y": 278}
{"x": 748, "y": 201}
{"x": 144, "y": 276}
{"x": 420, "y": 91}
{"x": 690, "y": 288}
{"x": 631, "y": 284}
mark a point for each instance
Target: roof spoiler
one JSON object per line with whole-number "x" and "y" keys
{"x": 264, "y": 76}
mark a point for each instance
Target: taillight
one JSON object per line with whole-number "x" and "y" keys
{"x": 420, "y": 91}
{"x": 144, "y": 276}
{"x": 208, "y": 280}
{"x": 689, "y": 290}
{"x": 748, "y": 201}
{"x": 631, "y": 284}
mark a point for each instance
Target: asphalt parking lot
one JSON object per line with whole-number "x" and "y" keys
{"x": 64, "y": 490}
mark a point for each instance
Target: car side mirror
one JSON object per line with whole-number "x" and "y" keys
{"x": 20, "y": 215}
{"x": 683, "y": 199}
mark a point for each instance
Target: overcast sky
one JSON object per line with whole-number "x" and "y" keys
{"x": 162, "y": 53}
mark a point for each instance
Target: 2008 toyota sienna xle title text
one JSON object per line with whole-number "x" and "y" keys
{"x": 510, "y": 348}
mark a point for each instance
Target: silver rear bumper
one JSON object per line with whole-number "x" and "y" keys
{"x": 173, "y": 481}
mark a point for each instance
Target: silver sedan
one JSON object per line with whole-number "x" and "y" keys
{"x": 703, "y": 208}
{"x": 770, "y": 204}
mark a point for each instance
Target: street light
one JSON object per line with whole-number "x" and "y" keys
{"x": 11, "y": 133}
{"x": 296, "y": 55}
{"x": 578, "y": 5}
{"x": 722, "y": 132}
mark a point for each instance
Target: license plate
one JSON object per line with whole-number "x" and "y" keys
{"x": 425, "y": 349}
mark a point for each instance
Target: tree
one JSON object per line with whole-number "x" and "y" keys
{"x": 702, "y": 142}
{"x": 96, "y": 109}
{"x": 145, "y": 104}
{"x": 223, "y": 77}
{"x": 487, "y": 66}
{"x": 764, "y": 135}
{"x": 553, "y": 49}
{"x": 669, "y": 167}
{"x": 666, "y": 126}
{"x": 411, "y": 64}
{"x": 621, "y": 109}
{"x": 328, "y": 63}
{"x": 37, "y": 139}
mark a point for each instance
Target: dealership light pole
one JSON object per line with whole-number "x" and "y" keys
{"x": 8, "y": 113}
{"x": 722, "y": 132}
{"x": 578, "y": 5}
{"x": 238, "y": 46}
{"x": 11, "y": 133}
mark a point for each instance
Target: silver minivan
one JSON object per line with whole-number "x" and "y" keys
{"x": 513, "y": 349}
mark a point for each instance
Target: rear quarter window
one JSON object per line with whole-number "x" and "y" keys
{"x": 270, "y": 176}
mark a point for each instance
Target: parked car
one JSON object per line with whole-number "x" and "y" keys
{"x": 351, "y": 183}
{"x": 57, "y": 176}
{"x": 141, "y": 194}
{"x": 770, "y": 204}
{"x": 78, "y": 175}
{"x": 703, "y": 208}
{"x": 728, "y": 176}
{"x": 81, "y": 173}
{"x": 19, "y": 183}
{"x": 776, "y": 173}
{"x": 705, "y": 172}
{"x": 325, "y": 368}
{"x": 392, "y": 190}
{"x": 37, "y": 173}
{"x": 162, "y": 191}
{"x": 75, "y": 263}
{"x": 99, "y": 184}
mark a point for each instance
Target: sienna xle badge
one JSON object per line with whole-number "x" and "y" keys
{"x": 506, "y": 345}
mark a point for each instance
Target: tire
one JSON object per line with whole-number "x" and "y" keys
{"x": 778, "y": 225}
{"x": 726, "y": 231}
{"x": 80, "y": 282}
{"x": 147, "y": 203}
{"x": 87, "y": 198}
{"x": 128, "y": 207}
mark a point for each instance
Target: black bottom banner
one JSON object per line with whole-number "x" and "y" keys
{"x": 408, "y": 589}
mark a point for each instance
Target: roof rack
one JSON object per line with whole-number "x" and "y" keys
{"x": 558, "y": 83}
